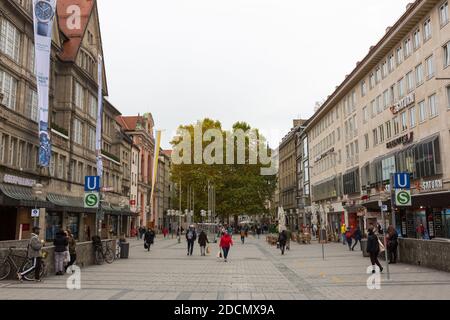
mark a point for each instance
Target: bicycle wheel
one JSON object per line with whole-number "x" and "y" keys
{"x": 26, "y": 266}
{"x": 5, "y": 269}
{"x": 99, "y": 259}
{"x": 109, "y": 255}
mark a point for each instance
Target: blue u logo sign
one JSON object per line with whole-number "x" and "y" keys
{"x": 402, "y": 181}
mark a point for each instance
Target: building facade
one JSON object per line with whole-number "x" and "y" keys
{"x": 140, "y": 129}
{"x": 288, "y": 175}
{"x": 391, "y": 114}
{"x": 73, "y": 119}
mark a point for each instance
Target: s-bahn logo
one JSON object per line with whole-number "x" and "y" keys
{"x": 91, "y": 200}
{"x": 403, "y": 198}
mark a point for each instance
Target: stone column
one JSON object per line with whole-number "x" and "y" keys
{"x": 42, "y": 224}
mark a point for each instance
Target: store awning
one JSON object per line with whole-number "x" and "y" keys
{"x": 116, "y": 210}
{"x": 15, "y": 195}
{"x": 68, "y": 203}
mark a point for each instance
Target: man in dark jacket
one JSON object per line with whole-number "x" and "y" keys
{"x": 202, "y": 241}
{"x": 61, "y": 242}
{"x": 191, "y": 236}
{"x": 149, "y": 238}
{"x": 282, "y": 240}
{"x": 357, "y": 235}
{"x": 373, "y": 248}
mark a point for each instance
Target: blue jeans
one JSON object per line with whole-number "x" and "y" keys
{"x": 225, "y": 252}
{"x": 344, "y": 239}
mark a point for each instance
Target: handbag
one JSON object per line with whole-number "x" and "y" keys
{"x": 66, "y": 256}
{"x": 382, "y": 248}
{"x": 219, "y": 254}
{"x": 208, "y": 250}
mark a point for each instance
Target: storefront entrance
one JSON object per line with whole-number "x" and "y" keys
{"x": 8, "y": 218}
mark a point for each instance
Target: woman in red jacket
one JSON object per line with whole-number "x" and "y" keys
{"x": 225, "y": 243}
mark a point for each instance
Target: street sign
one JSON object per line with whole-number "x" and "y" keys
{"x": 402, "y": 181}
{"x": 108, "y": 189}
{"x": 35, "y": 213}
{"x": 91, "y": 200}
{"x": 403, "y": 198}
{"x": 91, "y": 184}
{"x": 384, "y": 208}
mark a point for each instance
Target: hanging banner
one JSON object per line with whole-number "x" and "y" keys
{"x": 155, "y": 167}
{"x": 98, "y": 137}
{"x": 43, "y": 14}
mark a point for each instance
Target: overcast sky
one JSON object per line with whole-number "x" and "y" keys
{"x": 260, "y": 61}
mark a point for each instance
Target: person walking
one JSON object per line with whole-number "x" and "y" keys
{"x": 288, "y": 240}
{"x": 149, "y": 239}
{"x": 343, "y": 231}
{"x": 258, "y": 231}
{"x": 243, "y": 235}
{"x": 202, "y": 241}
{"x": 392, "y": 240}
{"x": 373, "y": 248}
{"x": 225, "y": 244}
{"x": 34, "y": 252}
{"x": 282, "y": 239}
{"x": 191, "y": 236}
{"x": 72, "y": 249}
{"x": 348, "y": 238}
{"x": 61, "y": 242}
{"x": 357, "y": 235}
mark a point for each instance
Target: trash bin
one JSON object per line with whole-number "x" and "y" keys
{"x": 124, "y": 250}
{"x": 364, "y": 248}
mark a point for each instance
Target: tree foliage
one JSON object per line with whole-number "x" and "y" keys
{"x": 241, "y": 189}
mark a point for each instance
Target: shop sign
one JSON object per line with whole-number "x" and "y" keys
{"x": 433, "y": 185}
{"x": 325, "y": 154}
{"x": 35, "y": 213}
{"x": 406, "y": 139}
{"x": 19, "y": 180}
{"x": 403, "y": 103}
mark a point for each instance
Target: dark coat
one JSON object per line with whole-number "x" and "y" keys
{"x": 357, "y": 234}
{"x": 149, "y": 237}
{"x": 61, "y": 242}
{"x": 372, "y": 243}
{"x": 194, "y": 235}
{"x": 282, "y": 238}
{"x": 393, "y": 239}
{"x": 202, "y": 239}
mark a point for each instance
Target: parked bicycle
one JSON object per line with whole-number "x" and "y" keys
{"x": 102, "y": 252}
{"x": 9, "y": 263}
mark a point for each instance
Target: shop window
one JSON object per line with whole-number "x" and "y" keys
{"x": 53, "y": 223}
{"x": 428, "y": 159}
{"x": 73, "y": 223}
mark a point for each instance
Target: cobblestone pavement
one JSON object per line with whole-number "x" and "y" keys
{"x": 255, "y": 271}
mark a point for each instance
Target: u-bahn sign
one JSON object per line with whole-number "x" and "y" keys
{"x": 403, "y": 198}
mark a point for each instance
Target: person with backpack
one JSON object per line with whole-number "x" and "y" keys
{"x": 282, "y": 239}
{"x": 357, "y": 235}
{"x": 191, "y": 236}
{"x": 34, "y": 252}
{"x": 348, "y": 238}
{"x": 149, "y": 239}
{"x": 202, "y": 241}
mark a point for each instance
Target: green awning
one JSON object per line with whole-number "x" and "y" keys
{"x": 68, "y": 203}
{"x": 21, "y": 196}
{"x": 116, "y": 210}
